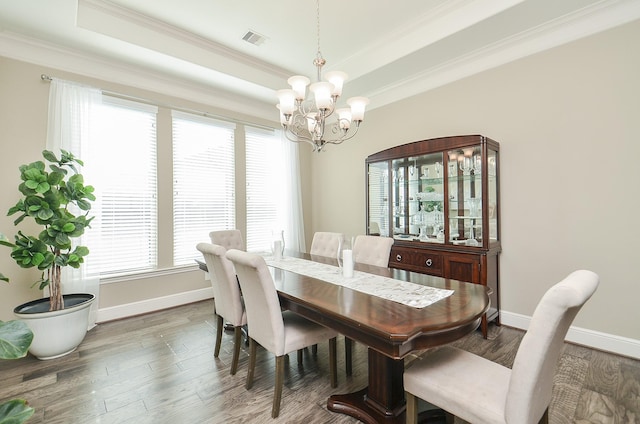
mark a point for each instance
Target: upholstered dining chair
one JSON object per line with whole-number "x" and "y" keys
{"x": 227, "y": 298}
{"x": 325, "y": 244}
{"x": 369, "y": 250}
{"x": 279, "y": 332}
{"x": 480, "y": 391}
{"x": 229, "y": 239}
{"x": 372, "y": 250}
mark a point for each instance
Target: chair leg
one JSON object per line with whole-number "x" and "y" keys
{"x": 237, "y": 339}
{"x": 252, "y": 363}
{"x": 299, "y": 357}
{"x": 412, "y": 408}
{"x": 277, "y": 391}
{"x": 219, "y": 326}
{"x": 314, "y": 349}
{"x": 545, "y": 417}
{"x": 348, "y": 348}
{"x": 333, "y": 363}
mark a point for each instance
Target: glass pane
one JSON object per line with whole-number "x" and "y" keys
{"x": 203, "y": 150}
{"x": 418, "y": 198}
{"x": 428, "y": 212}
{"x": 465, "y": 196}
{"x": 379, "y": 199}
{"x": 492, "y": 169}
{"x": 399, "y": 198}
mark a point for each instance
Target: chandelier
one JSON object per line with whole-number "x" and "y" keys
{"x": 316, "y": 120}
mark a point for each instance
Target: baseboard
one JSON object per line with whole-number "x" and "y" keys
{"x": 593, "y": 339}
{"x": 151, "y": 305}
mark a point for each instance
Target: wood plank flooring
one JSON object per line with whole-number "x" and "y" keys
{"x": 159, "y": 368}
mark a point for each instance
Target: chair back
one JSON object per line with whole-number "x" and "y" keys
{"x": 226, "y": 291}
{"x": 264, "y": 316}
{"x": 325, "y": 244}
{"x": 372, "y": 250}
{"x": 529, "y": 392}
{"x": 229, "y": 239}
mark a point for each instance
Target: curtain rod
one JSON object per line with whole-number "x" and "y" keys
{"x": 48, "y": 78}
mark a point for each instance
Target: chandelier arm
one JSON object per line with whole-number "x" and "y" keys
{"x": 348, "y": 136}
{"x": 297, "y": 138}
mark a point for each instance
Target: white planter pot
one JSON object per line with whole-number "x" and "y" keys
{"x": 56, "y": 333}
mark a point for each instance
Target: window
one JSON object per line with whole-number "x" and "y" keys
{"x": 122, "y": 168}
{"x": 204, "y": 182}
{"x": 266, "y": 186}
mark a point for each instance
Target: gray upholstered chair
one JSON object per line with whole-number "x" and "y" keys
{"x": 481, "y": 391}
{"x": 229, "y": 239}
{"x": 325, "y": 244}
{"x": 227, "y": 298}
{"x": 279, "y": 332}
{"x": 372, "y": 250}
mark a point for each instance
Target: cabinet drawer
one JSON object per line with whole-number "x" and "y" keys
{"x": 418, "y": 260}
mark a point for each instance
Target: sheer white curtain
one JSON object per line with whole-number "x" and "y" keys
{"x": 294, "y": 222}
{"x": 69, "y": 128}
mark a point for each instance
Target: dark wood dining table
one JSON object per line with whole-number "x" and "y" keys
{"x": 390, "y": 330}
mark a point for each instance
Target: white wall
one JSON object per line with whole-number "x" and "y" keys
{"x": 568, "y": 122}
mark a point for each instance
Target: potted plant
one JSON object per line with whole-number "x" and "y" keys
{"x": 58, "y": 201}
{"x": 15, "y": 338}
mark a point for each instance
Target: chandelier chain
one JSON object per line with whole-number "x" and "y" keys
{"x": 319, "y": 61}
{"x": 307, "y": 120}
{"x": 318, "y": 23}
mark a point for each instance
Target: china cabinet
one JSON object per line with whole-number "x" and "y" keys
{"x": 439, "y": 200}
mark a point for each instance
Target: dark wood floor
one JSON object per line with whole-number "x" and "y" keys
{"x": 159, "y": 368}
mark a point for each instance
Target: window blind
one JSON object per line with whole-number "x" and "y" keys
{"x": 204, "y": 182}
{"x": 265, "y": 173}
{"x": 122, "y": 168}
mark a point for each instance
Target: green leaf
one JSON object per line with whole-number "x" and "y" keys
{"x": 15, "y": 411}
{"x": 15, "y": 339}
{"x": 49, "y": 155}
{"x": 69, "y": 227}
{"x": 37, "y": 259}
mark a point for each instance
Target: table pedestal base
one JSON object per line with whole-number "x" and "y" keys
{"x": 357, "y": 405}
{"x": 383, "y": 400}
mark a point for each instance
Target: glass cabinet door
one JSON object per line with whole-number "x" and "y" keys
{"x": 465, "y": 196}
{"x": 418, "y": 198}
{"x": 379, "y": 198}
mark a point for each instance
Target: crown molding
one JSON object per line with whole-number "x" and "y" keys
{"x": 441, "y": 22}
{"x": 254, "y": 100}
{"x": 118, "y": 22}
{"x": 18, "y": 47}
{"x": 589, "y": 21}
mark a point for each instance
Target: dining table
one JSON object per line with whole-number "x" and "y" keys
{"x": 390, "y": 330}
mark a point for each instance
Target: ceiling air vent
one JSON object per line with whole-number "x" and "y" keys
{"x": 254, "y": 38}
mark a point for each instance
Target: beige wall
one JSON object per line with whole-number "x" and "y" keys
{"x": 568, "y": 122}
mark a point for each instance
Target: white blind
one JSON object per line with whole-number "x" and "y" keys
{"x": 203, "y": 182}
{"x": 265, "y": 173}
{"x": 122, "y": 166}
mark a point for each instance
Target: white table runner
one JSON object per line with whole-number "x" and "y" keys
{"x": 407, "y": 293}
